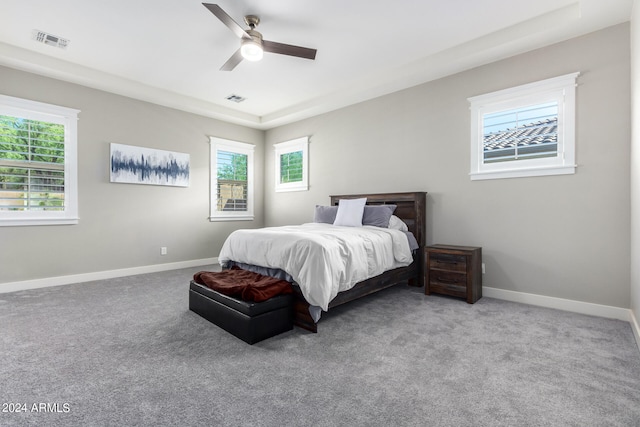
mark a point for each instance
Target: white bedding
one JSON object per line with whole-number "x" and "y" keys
{"x": 323, "y": 259}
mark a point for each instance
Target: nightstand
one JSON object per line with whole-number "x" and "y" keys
{"x": 455, "y": 271}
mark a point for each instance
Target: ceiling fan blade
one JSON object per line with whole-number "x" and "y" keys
{"x": 232, "y": 62}
{"x": 287, "y": 49}
{"x": 227, "y": 20}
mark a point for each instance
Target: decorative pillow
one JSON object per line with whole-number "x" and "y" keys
{"x": 378, "y": 215}
{"x": 397, "y": 224}
{"x": 350, "y": 212}
{"x": 325, "y": 214}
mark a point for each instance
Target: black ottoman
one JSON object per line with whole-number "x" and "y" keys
{"x": 249, "y": 321}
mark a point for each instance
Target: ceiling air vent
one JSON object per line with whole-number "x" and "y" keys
{"x": 50, "y": 39}
{"x": 235, "y": 98}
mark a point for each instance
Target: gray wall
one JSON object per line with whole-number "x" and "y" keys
{"x": 559, "y": 236}
{"x": 123, "y": 225}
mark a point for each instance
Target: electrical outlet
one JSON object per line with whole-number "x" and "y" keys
{"x": 483, "y": 268}
{"x": 163, "y": 251}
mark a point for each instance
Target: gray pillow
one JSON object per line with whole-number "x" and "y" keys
{"x": 378, "y": 215}
{"x": 325, "y": 214}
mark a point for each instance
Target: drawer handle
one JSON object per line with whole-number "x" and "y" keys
{"x": 445, "y": 280}
{"x": 450, "y": 261}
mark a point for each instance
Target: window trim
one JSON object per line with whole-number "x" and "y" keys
{"x": 68, "y": 117}
{"x": 235, "y": 147}
{"x": 560, "y": 89}
{"x": 295, "y": 145}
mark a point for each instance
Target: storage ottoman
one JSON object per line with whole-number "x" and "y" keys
{"x": 249, "y": 321}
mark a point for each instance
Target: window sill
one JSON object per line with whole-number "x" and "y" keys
{"x": 230, "y": 218}
{"x": 521, "y": 173}
{"x": 283, "y": 189}
{"x": 37, "y": 221}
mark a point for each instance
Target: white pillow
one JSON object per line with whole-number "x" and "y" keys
{"x": 397, "y": 224}
{"x": 350, "y": 212}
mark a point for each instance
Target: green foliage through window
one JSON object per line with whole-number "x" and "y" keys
{"x": 291, "y": 167}
{"x": 232, "y": 166}
{"x": 232, "y": 181}
{"x": 31, "y": 164}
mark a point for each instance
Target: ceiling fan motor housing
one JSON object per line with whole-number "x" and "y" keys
{"x": 252, "y": 21}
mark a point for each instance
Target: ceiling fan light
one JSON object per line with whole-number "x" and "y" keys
{"x": 251, "y": 50}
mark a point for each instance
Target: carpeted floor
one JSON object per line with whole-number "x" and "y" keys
{"x": 128, "y": 351}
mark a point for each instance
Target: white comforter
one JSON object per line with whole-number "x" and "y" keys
{"x": 323, "y": 259}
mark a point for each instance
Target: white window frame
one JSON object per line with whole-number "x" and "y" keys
{"x": 295, "y": 145}
{"x": 220, "y": 144}
{"x": 560, "y": 89}
{"x": 68, "y": 117}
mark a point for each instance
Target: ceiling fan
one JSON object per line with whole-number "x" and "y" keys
{"x": 252, "y": 45}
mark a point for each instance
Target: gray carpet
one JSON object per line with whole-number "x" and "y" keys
{"x": 128, "y": 351}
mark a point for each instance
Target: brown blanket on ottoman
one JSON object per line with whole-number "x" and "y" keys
{"x": 243, "y": 284}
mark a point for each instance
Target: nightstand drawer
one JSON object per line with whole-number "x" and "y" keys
{"x": 448, "y": 289}
{"x": 448, "y": 262}
{"x": 447, "y": 278}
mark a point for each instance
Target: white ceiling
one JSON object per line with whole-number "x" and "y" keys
{"x": 170, "y": 51}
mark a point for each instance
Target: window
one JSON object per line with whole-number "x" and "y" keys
{"x": 292, "y": 165}
{"x": 231, "y": 180}
{"x": 524, "y": 131}
{"x": 38, "y": 163}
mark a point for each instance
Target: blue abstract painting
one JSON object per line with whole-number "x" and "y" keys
{"x": 139, "y": 165}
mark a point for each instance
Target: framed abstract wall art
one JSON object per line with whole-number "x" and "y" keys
{"x": 140, "y": 165}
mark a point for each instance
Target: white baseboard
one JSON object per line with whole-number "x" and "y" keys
{"x": 636, "y": 328}
{"x": 607, "y": 311}
{"x": 101, "y": 275}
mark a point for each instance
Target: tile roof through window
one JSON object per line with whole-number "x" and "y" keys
{"x": 540, "y": 132}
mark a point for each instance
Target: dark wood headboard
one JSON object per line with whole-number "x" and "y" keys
{"x": 412, "y": 209}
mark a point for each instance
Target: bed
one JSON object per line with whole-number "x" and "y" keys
{"x": 410, "y": 208}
